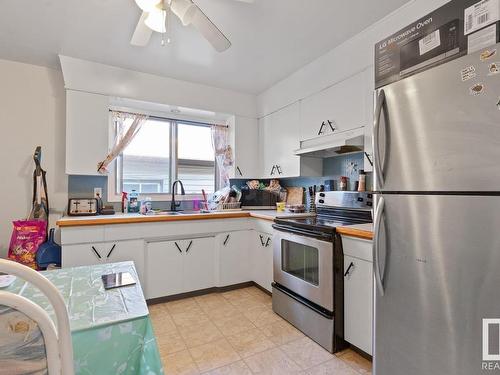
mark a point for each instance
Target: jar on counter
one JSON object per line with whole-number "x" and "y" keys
{"x": 362, "y": 181}
{"x": 343, "y": 183}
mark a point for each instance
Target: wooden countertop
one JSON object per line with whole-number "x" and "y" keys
{"x": 364, "y": 231}
{"x": 75, "y": 221}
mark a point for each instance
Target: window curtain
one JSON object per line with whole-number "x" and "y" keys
{"x": 124, "y": 135}
{"x": 223, "y": 153}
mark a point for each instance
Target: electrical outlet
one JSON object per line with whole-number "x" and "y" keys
{"x": 97, "y": 192}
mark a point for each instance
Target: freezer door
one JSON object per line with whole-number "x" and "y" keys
{"x": 434, "y": 132}
{"x": 439, "y": 263}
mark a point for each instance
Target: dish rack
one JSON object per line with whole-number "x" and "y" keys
{"x": 233, "y": 206}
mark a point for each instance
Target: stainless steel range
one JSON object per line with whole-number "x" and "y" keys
{"x": 308, "y": 288}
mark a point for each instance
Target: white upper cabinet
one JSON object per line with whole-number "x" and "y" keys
{"x": 87, "y": 127}
{"x": 245, "y": 141}
{"x": 336, "y": 109}
{"x": 279, "y": 138}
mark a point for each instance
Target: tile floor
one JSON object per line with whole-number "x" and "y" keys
{"x": 237, "y": 333}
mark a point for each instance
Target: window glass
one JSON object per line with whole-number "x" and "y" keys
{"x": 146, "y": 160}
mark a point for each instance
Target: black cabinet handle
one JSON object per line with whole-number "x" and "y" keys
{"x": 278, "y": 168}
{"x": 110, "y": 251}
{"x": 272, "y": 170}
{"x": 239, "y": 171}
{"x": 96, "y": 252}
{"x": 225, "y": 241}
{"x": 348, "y": 269}
{"x": 330, "y": 124}
{"x": 321, "y": 128}
{"x": 177, "y": 246}
{"x": 261, "y": 239}
{"x": 189, "y": 246}
{"x": 369, "y": 158}
{"x": 267, "y": 242}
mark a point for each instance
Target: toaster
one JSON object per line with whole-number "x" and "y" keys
{"x": 83, "y": 206}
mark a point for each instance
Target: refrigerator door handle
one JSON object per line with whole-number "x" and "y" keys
{"x": 376, "y": 244}
{"x": 379, "y": 177}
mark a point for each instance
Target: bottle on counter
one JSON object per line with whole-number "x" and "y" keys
{"x": 124, "y": 202}
{"x": 133, "y": 202}
{"x": 362, "y": 180}
{"x": 343, "y": 183}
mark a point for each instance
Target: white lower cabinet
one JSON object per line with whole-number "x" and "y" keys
{"x": 261, "y": 257}
{"x": 105, "y": 252}
{"x": 232, "y": 254}
{"x": 179, "y": 266}
{"x": 358, "y": 292}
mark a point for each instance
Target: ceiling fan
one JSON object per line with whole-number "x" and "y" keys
{"x": 154, "y": 17}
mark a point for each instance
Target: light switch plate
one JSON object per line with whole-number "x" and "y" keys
{"x": 97, "y": 192}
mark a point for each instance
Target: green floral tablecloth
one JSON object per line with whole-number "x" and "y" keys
{"x": 111, "y": 329}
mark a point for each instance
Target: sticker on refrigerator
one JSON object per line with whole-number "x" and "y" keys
{"x": 429, "y": 42}
{"x": 486, "y": 55}
{"x": 482, "y": 39}
{"x": 493, "y": 68}
{"x": 477, "y": 89}
{"x": 480, "y": 15}
{"x": 468, "y": 73}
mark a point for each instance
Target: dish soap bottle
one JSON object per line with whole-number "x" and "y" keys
{"x": 133, "y": 202}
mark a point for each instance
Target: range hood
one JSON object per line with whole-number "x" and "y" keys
{"x": 334, "y": 144}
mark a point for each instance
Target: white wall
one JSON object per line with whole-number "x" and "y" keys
{"x": 32, "y": 113}
{"x": 83, "y": 75}
{"x": 349, "y": 58}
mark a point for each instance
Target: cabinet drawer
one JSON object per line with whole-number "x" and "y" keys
{"x": 358, "y": 247}
{"x": 83, "y": 234}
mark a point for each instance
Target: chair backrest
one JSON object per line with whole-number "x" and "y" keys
{"x": 57, "y": 336}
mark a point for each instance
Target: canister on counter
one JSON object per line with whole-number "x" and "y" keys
{"x": 343, "y": 183}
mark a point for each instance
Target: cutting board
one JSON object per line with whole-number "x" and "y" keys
{"x": 295, "y": 195}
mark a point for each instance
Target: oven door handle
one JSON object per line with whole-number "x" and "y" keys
{"x": 314, "y": 234}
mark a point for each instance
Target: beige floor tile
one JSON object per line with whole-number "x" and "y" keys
{"x": 253, "y": 290}
{"x": 248, "y": 343}
{"x": 233, "y": 324}
{"x": 306, "y": 353}
{"x": 200, "y": 334}
{"x": 273, "y": 362}
{"x": 158, "y": 310}
{"x": 213, "y": 355}
{"x": 261, "y": 316}
{"x": 249, "y": 302}
{"x": 235, "y": 294}
{"x": 334, "y": 366}
{"x": 357, "y": 362}
{"x": 223, "y": 310}
{"x": 180, "y": 363}
{"x": 190, "y": 318}
{"x": 281, "y": 332}
{"x": 170, "y": 342}
{"x": 236, "y": 368}
{"x": 182, "y": 306}
{"x": 163, "y": 324}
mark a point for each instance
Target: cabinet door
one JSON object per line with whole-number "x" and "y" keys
{"x": 87, "y": 127}
{"x": 82, "y": 255}
{"x": 358, "y": 302}
{"x": 246, "y": 144}
{"x": 285, "y": 140}
{"x": 126, "y": 250}
{"x": 266, "y": 150}
{"x": 164, "y": 269}
{"x": 199, "y": 263}
{"x": 233, "y": 266}
{"x": 343, "y": 104}
{"x": 262, "y": 259}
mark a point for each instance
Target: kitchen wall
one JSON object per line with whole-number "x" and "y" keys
{"x": 32, "y": 113}
{"x": 351, "y": 57}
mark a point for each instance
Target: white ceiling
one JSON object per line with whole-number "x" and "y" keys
{"x": 271, "y": 38}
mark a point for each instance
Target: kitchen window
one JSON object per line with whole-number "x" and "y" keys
{"x": 165, "y": 150}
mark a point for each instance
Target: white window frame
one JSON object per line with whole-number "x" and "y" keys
{"x": 113, "y": 196}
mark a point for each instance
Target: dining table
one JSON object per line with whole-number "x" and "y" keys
{"x": 111, "y": 329}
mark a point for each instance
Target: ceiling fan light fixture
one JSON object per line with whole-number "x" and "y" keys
{"x": 156, "y": 21}
{"x": 184, "y": 9}
{"x": 148, "y": 5}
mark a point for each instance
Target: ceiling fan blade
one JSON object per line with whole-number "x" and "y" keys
{"x": 142, "y": 33}
{"x": 208, "y": 29}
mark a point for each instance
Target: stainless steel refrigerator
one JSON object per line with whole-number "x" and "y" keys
{"x": 437, "y": 219}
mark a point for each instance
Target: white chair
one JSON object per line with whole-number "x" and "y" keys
{"x": 57, "y": 337}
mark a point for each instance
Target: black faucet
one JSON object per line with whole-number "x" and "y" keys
{"x": 173, "y": 205}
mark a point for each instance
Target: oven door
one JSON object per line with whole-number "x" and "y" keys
{"x": 304, "y": 265}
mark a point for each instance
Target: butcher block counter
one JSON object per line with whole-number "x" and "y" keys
{"x": 364, "y": 231}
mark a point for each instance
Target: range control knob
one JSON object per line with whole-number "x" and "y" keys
{"x": 322, "y": 195}
{"x": 321, "y": 201}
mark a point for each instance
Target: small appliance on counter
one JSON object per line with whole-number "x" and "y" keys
{"x": 254, "y": 199}
{"x": 83, "y": 206}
